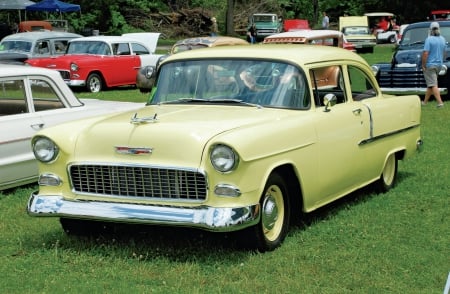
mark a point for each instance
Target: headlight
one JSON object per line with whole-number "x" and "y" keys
{"x": 223, "y": 158}
{"x": 44, "y": 149}
{"x": 375, "y": 69}
{"x": 443, "y": 70}
{"x": 73, "y": 67}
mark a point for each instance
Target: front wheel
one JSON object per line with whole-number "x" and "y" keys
{"x": 273, "y": 226}
{"x": 94, "y": 83}
{"x": 388, "y": 175}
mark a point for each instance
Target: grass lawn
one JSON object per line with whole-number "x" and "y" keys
{"x": 398, "y": 242}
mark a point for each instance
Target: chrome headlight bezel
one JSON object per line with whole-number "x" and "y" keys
{"x": 223, "y": 158}
{"x": 74, "y": 67}
{"x": 44, "y": 149}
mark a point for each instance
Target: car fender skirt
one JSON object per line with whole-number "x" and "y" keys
{"x": 220, "y": 219}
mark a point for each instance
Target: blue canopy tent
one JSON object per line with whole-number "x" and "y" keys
{"x": 53, "y": 6}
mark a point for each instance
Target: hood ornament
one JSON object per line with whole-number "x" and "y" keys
{"x": 133, "y": 150}
{"x": 143, "y": 120}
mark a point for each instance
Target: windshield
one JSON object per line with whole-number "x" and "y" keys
{"x": 16, "y": 46}
{"x": 356, "y": 31}
{"x": 232, "y": 82}
{"x": 418, "y": 35}
{"x": 89, "y": 47}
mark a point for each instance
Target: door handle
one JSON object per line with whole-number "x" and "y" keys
{"x": 37, "y": 126}
{"x": 357, "y": 111}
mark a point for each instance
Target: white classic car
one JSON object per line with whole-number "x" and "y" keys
{"x": 37, "y": 44}
{"x": 233, "y": 138}
{"x": 31, "y": 99}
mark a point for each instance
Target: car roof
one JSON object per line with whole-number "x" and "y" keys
{"x": 32, "y": 36}
{"x": 305, "y": 54}
{"x": 212, "y": 41}
{"x": 23, "y": 70}
{"x": 306, "y": 34}
{"x": 116, "y": 39}
{"x": 426, "y": 24}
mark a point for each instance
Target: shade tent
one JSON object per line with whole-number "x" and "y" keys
{"x": 53, "y": 6}
{"x": 15, "y": 5}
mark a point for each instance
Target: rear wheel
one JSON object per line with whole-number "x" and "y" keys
{"x": 388, "y": 175}
{"x": 270, "y": 232}
{"x": 94, "y": 83}
{"x": 392, "y": 39}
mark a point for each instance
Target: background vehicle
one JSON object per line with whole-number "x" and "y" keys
{"x": 266, "y": 24}
{"x": 143, "y": 82}
{"x": 404, "y": 72}
{"x": 99, "y": 62}
{"x": 356, "y": 30}
{"x": 295, "y": 25}
{"x": 313, "y": 37}
{"x": 384, "y": 31}
{"x": 32, "y": 99}
{"x": 37, "y": 44}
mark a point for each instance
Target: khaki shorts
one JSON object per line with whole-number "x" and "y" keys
{"x": 431, "y": 75}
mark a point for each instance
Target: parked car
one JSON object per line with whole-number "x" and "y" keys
{"x": 33, "y": 99}
{"x": 356, "y": 30}
{"x": 234, "y": 138}
{"x": 265, "y": 24}
{"x": 143, "y": 82}
{"x": 100, "y": 62}
{"x": 37, "y": 44}
{"x": 404, "y": 72}
{"x": 314, "y": 37}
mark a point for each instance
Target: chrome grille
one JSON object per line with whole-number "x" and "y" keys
{"x": 401, "y": 78}
{"x": 138, "y": 181}
{"x": 65, "y": 74}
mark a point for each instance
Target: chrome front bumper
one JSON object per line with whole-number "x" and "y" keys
{"x": 220, "y": 219}
{"x": 410, "y": 91}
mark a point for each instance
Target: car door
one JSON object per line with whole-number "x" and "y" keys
{"x": 18, "y": 123}
{"x": 124, "y": 67}
{"x": 340, "y": 130}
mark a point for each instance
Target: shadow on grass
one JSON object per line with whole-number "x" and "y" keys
{"x": 147, "y": 242}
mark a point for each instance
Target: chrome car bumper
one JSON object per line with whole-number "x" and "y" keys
{"x": 220, "y": 219}
{"x": 410, "y": 91}
{"x": 76, "y": 83}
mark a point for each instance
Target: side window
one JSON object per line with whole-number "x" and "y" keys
{"x": 327, "y": 80}
{"x": 12, "y": 97}
{"x": 121, "y": 49}
{"x": 60, "y": 46}
{"x": 361, "y": 86}
{"x": 138, "y": 49}
{"x": 44, "y": 97}
{"x": 42, "y": 48}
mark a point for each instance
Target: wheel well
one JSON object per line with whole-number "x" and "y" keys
{"x": 400, "y": 154}
{"x": 98, "y": 73}
{"x": 295, "y": 191}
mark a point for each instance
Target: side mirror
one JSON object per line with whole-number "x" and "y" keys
{"x": 329, "y": 100}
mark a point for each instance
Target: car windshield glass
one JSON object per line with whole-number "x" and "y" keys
{"x": 232, "y": 82}
{"x": 418, "y": 35}
{"x": 88, "y": 47}
{"x": 16, "y": 46}
{"x": 356, "y": 31}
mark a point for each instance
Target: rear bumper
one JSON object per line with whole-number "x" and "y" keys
{"x": 220, "y": 219}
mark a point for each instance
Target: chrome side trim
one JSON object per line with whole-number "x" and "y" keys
{"x": 219, "y": 219}
{"x": 382, "y": 136}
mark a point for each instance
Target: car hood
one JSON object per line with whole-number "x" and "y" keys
{"x": 175, "y": 134}
{"x": 408, "y": 57}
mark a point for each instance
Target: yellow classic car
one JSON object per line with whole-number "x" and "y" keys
{"x": 242, "y": 138}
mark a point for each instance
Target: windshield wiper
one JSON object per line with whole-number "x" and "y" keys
{"x": 415, "y": 43}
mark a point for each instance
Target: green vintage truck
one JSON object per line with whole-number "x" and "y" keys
{"x": 266, "y": 24}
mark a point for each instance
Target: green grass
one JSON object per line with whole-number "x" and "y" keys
{"x": 398, "y": 242}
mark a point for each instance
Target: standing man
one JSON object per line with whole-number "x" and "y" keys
{"x": 432, "y": 60}
{"x": 325, "y": 21}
